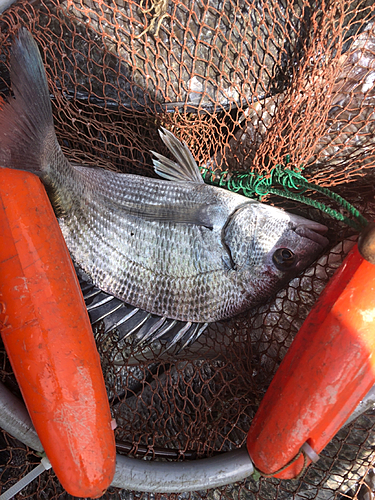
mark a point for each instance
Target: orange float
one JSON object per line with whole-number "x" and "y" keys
{"x": 328, "y": 369}
{"x": 48, "y": 337}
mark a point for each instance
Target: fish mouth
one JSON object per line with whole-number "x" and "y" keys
{"x": 314, "y": 232}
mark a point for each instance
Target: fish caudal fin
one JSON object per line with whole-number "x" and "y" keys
{"x": 27, "y": 136}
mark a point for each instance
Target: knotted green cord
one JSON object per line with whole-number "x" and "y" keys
{"x": 293, "y": 185}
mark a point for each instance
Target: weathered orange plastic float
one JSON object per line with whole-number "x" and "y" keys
{"x": 328, "y": 369}
{"x": 47, "y": 335}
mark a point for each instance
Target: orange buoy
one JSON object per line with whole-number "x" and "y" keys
{"x": 48, "y": 337}
{"x": 328, "y": 369}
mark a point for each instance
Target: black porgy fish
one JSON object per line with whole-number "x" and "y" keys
{"x": 175, "y": 248}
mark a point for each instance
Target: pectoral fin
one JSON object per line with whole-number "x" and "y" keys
{"x": 199, "y": 215}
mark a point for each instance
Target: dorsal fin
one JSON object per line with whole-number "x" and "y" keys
{"x": 185, "y": 169}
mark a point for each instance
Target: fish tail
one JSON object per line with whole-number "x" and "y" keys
{"x": 27, "y": 135}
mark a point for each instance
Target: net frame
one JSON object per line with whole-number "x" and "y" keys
{"x": 288, "y": 109}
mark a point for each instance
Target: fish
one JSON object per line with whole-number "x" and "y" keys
{"x": 216, "y": 398}
{"x": 210, "y": 410}
{"x": 178, "y": 252}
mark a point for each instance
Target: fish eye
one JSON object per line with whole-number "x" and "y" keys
{"x": 283, "y": 258}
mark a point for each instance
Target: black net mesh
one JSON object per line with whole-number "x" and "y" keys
{"x": 244, "y": 84}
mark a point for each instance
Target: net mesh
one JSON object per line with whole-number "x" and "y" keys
{"x": 244, "y": 84}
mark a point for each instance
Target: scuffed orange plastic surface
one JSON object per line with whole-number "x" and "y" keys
{"x": 48, "y": 337}
{"x": 328, "y": 369}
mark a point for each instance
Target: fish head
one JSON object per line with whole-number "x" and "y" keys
{"x": 269, "y": 247}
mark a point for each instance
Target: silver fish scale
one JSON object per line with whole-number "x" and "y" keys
{"x": 170, "y": 269}
{"x": 175, "y": 248}
{"x": 139, "y": 189}
{"x": 251, "y": 247}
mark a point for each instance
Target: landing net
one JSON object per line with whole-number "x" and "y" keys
{"x": 245, "y": 85}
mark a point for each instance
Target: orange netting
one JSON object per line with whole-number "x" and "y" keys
{"x": 244, "y": 83}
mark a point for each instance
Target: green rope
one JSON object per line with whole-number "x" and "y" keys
{"x": 292, "y": 186}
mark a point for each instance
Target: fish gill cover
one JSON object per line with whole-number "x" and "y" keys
{"x": 244, "y": 84}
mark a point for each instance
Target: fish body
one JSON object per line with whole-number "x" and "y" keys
{"x": 173, "y": 247}
{"x": 194, "y": 270}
